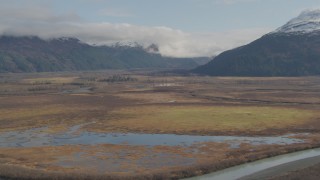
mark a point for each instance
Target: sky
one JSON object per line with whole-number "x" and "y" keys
{"x": 181, "y": 28}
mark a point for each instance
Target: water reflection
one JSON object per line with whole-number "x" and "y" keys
{"x": 74, "y": 136}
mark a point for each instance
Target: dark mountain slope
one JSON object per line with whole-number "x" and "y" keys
{"x": 291, "y": 50}
{"x": 271, "y": 55}
{"x": 32, "y": 54}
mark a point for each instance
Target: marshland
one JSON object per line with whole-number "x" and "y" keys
{"x": 149, "y": 124}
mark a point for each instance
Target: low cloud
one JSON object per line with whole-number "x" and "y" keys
{"x": 171, "y": 42}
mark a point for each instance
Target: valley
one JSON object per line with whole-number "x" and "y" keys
{"x": 149, "y": 124}
{"x": 159, "y": 90}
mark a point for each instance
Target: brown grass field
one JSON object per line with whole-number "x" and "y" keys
{"x": 155, "y": 103}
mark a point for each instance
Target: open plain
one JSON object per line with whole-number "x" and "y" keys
{"x": 149, "y": 125}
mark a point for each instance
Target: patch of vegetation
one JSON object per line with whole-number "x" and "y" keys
{"x": 38, "y": 88}
{"x": 50, "y": 80}
{"x": 118, "y": 78}
{"x": 42, "y": 82}
{"x": 33, "y": 113}
{"x": 208, "y": 118}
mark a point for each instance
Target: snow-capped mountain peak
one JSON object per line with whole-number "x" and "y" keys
{"x": 308, "y": 21}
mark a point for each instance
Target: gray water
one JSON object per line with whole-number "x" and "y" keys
{"x": 74, "y": 136}
{"x": 240, "y": 171}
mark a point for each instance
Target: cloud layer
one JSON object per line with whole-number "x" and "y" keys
{"x": 42, "y": 22}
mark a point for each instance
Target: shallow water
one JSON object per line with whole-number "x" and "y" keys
{"x": 74, "y": 136}
{"x": 243, "y": 170}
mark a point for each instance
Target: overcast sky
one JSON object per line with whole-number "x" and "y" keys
{"x": 181, "y": 28}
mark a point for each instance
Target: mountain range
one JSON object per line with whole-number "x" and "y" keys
{"x": 32, "y": 54}
{"x": 291, "y": 50}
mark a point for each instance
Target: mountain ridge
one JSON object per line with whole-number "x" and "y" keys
{"x": 280, "y": 53}
{"x": 33, "y": 54}
{"x": 308, "y": 21}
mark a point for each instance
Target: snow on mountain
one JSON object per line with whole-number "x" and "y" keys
{"x": 308, "y": 21}
{"x": 152, "y": 48}
{"x": 128, "y": 44}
